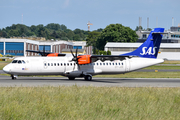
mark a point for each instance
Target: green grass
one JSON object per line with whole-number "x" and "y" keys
{"x": 54, "y": 103}
{"x": 163, "y": 67}
{"x": 2, "y": 64}
{"x": 171, "y": 62}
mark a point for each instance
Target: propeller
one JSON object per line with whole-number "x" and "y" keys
{"x": 75, "y": 59}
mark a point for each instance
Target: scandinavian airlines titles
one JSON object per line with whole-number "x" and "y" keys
{"x": 148, "y": 51}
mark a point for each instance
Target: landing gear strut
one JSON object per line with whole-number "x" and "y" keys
{"x": 14, "y": 77}
{"x": 88, "y": 77}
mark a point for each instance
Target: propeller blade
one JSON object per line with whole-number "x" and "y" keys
{"x": 72, "y": 52}
{"x": 75, "y": 59}
{"x": 78, "y": 65}
{"x": 76, "y": 52}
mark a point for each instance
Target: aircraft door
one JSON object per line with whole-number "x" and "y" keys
{"x": 127, "y": 64}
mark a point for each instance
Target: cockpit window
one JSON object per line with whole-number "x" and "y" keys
{"x": 23, "y": 61}
{"x": 14, "y": 61}
{"x": 19, "y": 62}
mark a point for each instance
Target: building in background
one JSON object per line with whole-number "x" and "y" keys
{"x": 79, "y": 52}
{"x": 173, "y": 35}
{"x": 2, "y": 48}
{"x": 82, "y": 45}
{"x": 169, "y": 48}
{"x": 18, "y": 47}
{"x": 14, "y": 47}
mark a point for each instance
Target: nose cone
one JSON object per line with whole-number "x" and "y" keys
{"x": 6, "y": 69}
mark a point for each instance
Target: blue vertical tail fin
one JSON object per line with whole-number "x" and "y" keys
{"x": 150, "y": 48}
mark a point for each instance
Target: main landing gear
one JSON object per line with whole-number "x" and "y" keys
{"x": 88, "y": 77}
{"x": 14, "y": 77}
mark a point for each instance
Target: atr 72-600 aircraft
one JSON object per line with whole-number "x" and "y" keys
{"x": 88, "y": 65}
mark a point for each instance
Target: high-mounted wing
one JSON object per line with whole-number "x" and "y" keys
{"x": 103, "y": 58}
{"x": 49, "y": 54}
{"x": 86, "y": 59}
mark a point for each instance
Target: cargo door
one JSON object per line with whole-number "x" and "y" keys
{"x": 127, "y": 64}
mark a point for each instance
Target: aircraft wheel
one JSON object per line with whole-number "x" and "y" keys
{"x": 88, "y": 77}
{"x": 71, "y": 78}
{"x": 13, "y": 77}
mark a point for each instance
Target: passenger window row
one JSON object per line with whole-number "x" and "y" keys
{"x": 70, "y": 64}
{"x": 104, "y": 64}
{"x": 59, "y": 64}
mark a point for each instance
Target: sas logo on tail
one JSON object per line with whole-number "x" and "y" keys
{"x": 148, "y": 51}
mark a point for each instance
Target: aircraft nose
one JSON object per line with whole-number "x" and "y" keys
{"x": 6, "y": 69}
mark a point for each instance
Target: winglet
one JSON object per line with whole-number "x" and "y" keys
{"x": 150, "y": 48}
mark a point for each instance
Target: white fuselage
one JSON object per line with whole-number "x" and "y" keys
{"x": 63, "y": 66}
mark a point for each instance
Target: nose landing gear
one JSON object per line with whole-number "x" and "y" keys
{"x": 14, "y": 77}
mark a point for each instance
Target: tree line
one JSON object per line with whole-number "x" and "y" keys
{"x": 97, "y": 38}
{"x": 50, "y": 31}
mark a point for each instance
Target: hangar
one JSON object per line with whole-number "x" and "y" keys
{"x": 12, "y": 47}
{"x": 18, "y": 46}
{"x": 169, "y": 51}
{"x": 2, "y": 48}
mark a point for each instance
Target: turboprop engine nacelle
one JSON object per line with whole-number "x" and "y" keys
{"x": 84, "y": 59}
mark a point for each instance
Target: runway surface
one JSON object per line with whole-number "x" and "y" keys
{"x": 142, "y": 70}
{"x": 6, "y": 81}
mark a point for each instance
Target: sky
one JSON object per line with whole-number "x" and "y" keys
{"x": 76, "y": 13}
